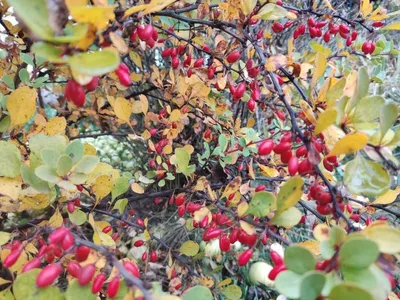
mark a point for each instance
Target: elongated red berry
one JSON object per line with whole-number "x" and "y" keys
{"x": 276, "y": 258}
{"x": 48, "y": 275}
{"x": 179, "y": 200}
{"x": 82, "y": 253}
{"x": 355, "y": 217}
{"x": 282, "y": 147}
{"x": 181, "y": 210}
{"x": 33, "y": 264}
{"x": 113, "y": 287}
{"x": 344, "y": 28}
{"x": 153, "y": 256}
{"x": 106, "y": 229}
{"x": 132, "y": 268}
{"x": 245, "y": 257}
{"x": 265, "y": 148}
{"x": 71, "y": 207}
{"x": 145, "y": 33}
{"x": 327, "y": 36}
{"x": 12, "y": 258}
{"x": 377, "y": 24}
{"x": 224, "y": 243}
{"x": 98, "y": 282}
{"x": 275, "y": 271}
{"x": 301, "y": 151}
{"x": 74, "y": 92}
{"x": 293, "y": 165}
{"x": 68, "y": 241}
{"x": 260, "y": 188}
{"x": 138, "y": 243}
{"x": 74, "y": 269}
{"x": 140, "y": 222}
{"x": 198, "y": 63}
{"x": 144, "y": 256}
{"x": 57, "y": 235}
{"x": 175, "y": 62}
{"x": 233, "y": 57}
{"x": 92, "y": 85}
{"x": 277, "y": 27}
{"x": 86, "y": 274}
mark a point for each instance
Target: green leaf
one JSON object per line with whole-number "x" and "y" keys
{"x": 25, "y": 284}
{"x": 64, "y": 165}
{"x": 96, "y": 63}
{"x": 48, "y": 51}
{"x": 299, "y": 259}
{"x": 337, "y": 235}
{"x": 290, "y": 193}
{"x": 361, "y": 89}
{"x": 47, "y": 174}
{"x": 78, "y": 178}
{"x": 326, "y": 249}
{"x": 261, "y": 204}
{"x": 9, "y": 81}
{"x": 189, "y": 248}
{"x": 29, "y": 177}
{"x": 73, "y": 33}
{"x": 24, "y": 75}
{"x": 366, "y": 177}
{"x": 75, "y": 150}
{"x": 388, "y": 116}
{"x": 336, "y": 91}
{"x": 75, "y": 291}
{"x": 271, "y": 12}
{"x": 5, "y": 124}
{"x": 288, "y": 218}
{"x": 87, "y": 164}
{"x": 78, "y": 217}
{"x": 368, "y": 109}
{"x": 121, "y": 185}
{"x": 4, "y": 237}
{"x": 358, "y": 253}
{"x": 311, "y": 285}
{"x": 50, "y": 157}
{"x": 50, "y": 292}
{"x": 10, "y": 160}
{"x": 387, "y": 238}
{"x": 40, "y": 141}
{"x": 120, "y": 205}
{"x": 26, "y": 58}
{"x": 34, "y": 15}
{"x": 361, "y": 276}
{"x": 232, "y": 292}
{"x": 182, "y": 158}
{"x": 291, "y": 290}
{"x": 198, "y": 293}
{"x": 349, "y": 291}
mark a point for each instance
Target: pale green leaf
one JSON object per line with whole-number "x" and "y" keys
{"x": 10, "y": 160}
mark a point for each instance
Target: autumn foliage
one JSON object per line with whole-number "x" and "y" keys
{"x": 199, "y": 150}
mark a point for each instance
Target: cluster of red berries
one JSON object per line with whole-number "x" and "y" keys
{"x": 279, "y": 265}
{"x": 75, "y": 92}
{"x": 147, "y": 34}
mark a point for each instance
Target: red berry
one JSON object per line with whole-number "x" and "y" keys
{"x": 113, "y": 287}
{"x": 47, "y": 276}
{"x": 179, "y": 200}
{"x": 275, "y": 271}
{"x": 344, "y": 28}
{"x": 302, "y": 29}
{"x": 71, "y": 207}
{"x": 349, "y": 41}
{"x": 181, "y": 210}
{"x": 57, "y": 235}
{"x": 74, "y": 92}
{"x": 286, "y": 156}
{"x": 166, "y": 52}
{"x": 277, "y": 27}
{"x": 333, "y": 29}
{"x": 33, "y": 264}
{"x": 296, "y": 34}
{"x": 92, "y": 85}
{"x": 140, "y": 222}
{"x": 251, "y": 105}
{"x": 145, "y": 33}
{"x": 233, "y": 57}
{"x": 240, "y": 90}
{"x": 198, "y": 63}
{"x": 12, "y": 258}
{"x": 328, "y": 166}
{"x": 138, "y": 243}
{"x": 354, "y": 35}
{"x": 115, "y": 236}
{"x": 124, "y": 77}
{"x": 276, "y": 258}
{"x": 260, "y": 188}
{"x": 293, "y": 165}
{"x": 77, "y": 202}
{"x": 153, "y": 256}
{"x": 206, "y": 48}
{"x": 355, "y": 217}
{"x": 98, "y": 283}
{"x": 282, "y": 147}
{"x": 224, "y": 243}
{"x": 366, "y": 47}
{"x": 144, "y": 256}
{"x": 327, "y": 36}
{"x": 175, "y": 62}
{"x": 107, "y": 229}
{"x": 68, "y": 241}
{"x": 322, "y": 197}
{"x": 301, "y": 151}
{"x": 82, "y": 253}
{"x": 192, "y": 207}
{"x": 305, "y": 167}
{"x": 324, "y": 209}
{"x": 86, "y": 274}
{"x": 245, "y": 257}
{"x": 377, "y": 24}
{"x": 265, "y": 148}
{"x": 74, "y": 269}
{"x": 311, "y": 22}
{"x": 132, "y": 268}
{"x": 368, "y": 221}
{"x": 321, "y": 24}
{"x": 211, "y": 72}
{"x": 233, "y": 237}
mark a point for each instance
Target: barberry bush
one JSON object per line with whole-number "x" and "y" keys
{"x": 254, "y": 149}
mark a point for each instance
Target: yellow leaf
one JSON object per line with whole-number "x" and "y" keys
{"x": 137, "y": 107}
{"x": 328, "y": 4}
{"x": 102, "y": 186}
{"x": 4, "y": 237}
{"x": 146, "y": 235}
{"x": 393, "y": 26}
{"x": 290, "y": 193}
{"x": 75, "y": 3}
{"x": 134, "y": 10}
{"x": 311, "y": 245}
{"x": 56, "y": 219}
{"x": 201, "y": 213}
{"x": 326, "y": 119}
{"x": 242, "y": 208}
{"x": 21, "y": 105}
{"x": 350, "y": 143}
{"x": 232, "y": 187}
{"x": 308, "y": 112}
{"x": 189, "y": 248}
{"x": 365, "y": 8}
{"x": 101, "y": 238}
{"x": 248, "y": 6}
{"x": 123, "y": 109}
{"x": 10, "y": 187}
{"x": 207, "y": 281}
{"x": 34, "y": 202}
{"x": 98, "y": 16}
{"x": 248, "y": 228}
{"x": 89, "y": 149}
{"x": 144, "y": 102}
{"x": 224, "y": 282}
{"x": 137, "y": 188}
{"x": 321, "y": 232}
{"x": 136, "y": 58}
{"x": 320, "y": 67}
{"x": 100, "y": 225}
{"x": 156, "y": 5}
{"x": 267, "y": 171}
{"x": 118, "y": 43}
{"x": 388, "y": 197}
{"x": 55, "y": 126}
{"x": 175, "y": 115}
{"x": 275, "y": 62}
